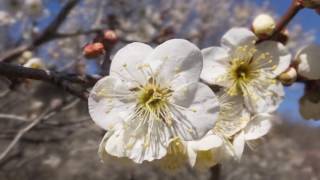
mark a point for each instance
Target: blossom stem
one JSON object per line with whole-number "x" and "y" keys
{"x": 292, "y": 11}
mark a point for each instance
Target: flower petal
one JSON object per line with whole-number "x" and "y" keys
{"x": 309, "y": 62}
{"x": 126, "y": 62}
{"x": 258, "y": 127}
{"x": 265, "y": 101}
{"x": 215, "y": 64}
{"x": 206, "y": 143}
{"x": 233, "y": 116}
{"x": 238, "y": 144}
{"x": 109, "y": 102}
{"x": 195, "y": 116}
{"x": 236, "y": 37}
{"x": 176, "y": 62}
{"x": 280, "y": 56}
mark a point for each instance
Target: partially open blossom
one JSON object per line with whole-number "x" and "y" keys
{"x": 310, "y": 101}
{"x": 308, "y": 62}
{"x": 263, "y": 25}
{"x": 6, "y": 19}
{"x": 35, "y": 63}
{"x": 152, "y": 98}
{"x": 288, "y": 77}
{"x": 34, "y": 7}
{"x": 246, "y": 69}
{"x": 93, "y": 50}
{"x": 110, "y": 36}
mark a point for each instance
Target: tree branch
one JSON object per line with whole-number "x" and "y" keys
{"x": 293, "y": 10}
{"x": 58, "y": 79}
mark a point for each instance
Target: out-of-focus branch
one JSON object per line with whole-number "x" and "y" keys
{"x": 48, "y": 113}
{"x": 293, "y": 10}
{"x": 59, "y": 79}
{"x": 47, "y": 34}
{"x": 78, "y": 33}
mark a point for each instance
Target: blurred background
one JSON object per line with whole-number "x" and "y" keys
{"x": 62, "y": 144}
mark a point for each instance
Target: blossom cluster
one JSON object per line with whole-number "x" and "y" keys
{"x": 175, "y": 104}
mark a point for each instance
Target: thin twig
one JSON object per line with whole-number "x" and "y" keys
{"x": 21, "y": 133}
{"x": 13, "y": 117}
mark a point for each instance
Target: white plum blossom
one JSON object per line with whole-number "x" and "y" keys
{"x": 34, "y": 7}
{"x": 6, "y": 19}
{"x": 247, "y": 69}
{"x": 151, "y": 98}
{"x": 308, "y": 62}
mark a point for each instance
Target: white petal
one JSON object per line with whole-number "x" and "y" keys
{"x": 238, "y": 144}
{"x": 215, "y": 65}
{"x": 176, "y": 62}
{"x": 109, "y": 102}
{"x": 206, "y": 143}
{"x": 126, "y": 62}
{"x": 309, "y": 64}
{"x": 265, "y": 101}
{"x": 192, "y": 156}
{"x": 194, "y": 117}
{"x": 128, "y": 141}
{"x": 233, "y": 115}
{"x": 236, "y": 37}
{"x": 258, "y": 127}
{"x": 280, "y": 56}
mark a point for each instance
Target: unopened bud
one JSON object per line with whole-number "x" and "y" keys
{"x": 263, "y": 25}
{"x": 35, "y": 63}
{"x": 288, "y": 77}
{"x": 27, "y": 55}
{"x": 93, "y": 50}
{"x": 110, "y": 36}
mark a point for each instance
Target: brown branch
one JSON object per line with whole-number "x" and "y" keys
{"x": 292, "y": 11}
{"x": 47, "y": 34}
{"x": 58, "y": 79}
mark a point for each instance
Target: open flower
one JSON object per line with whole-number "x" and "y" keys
{"x": 151, "y": 98}
{"x": 247, "y": 69}
{"x": 308, "y": 62}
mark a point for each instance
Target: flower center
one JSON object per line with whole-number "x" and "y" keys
{"x": 152, "y": 96}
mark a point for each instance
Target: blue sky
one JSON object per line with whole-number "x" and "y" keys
{"x": 310, "y": 21}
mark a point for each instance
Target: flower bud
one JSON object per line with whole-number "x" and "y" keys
{"x": 35, "y": 63}
{"x": 110, "y": 36}
{"x": 288, "y": 77}
{"x": 263, "y": 25}
{"x": 6, "y": 19}
{"x": 308, "y": 64}
{"x": 93, "y": 50}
